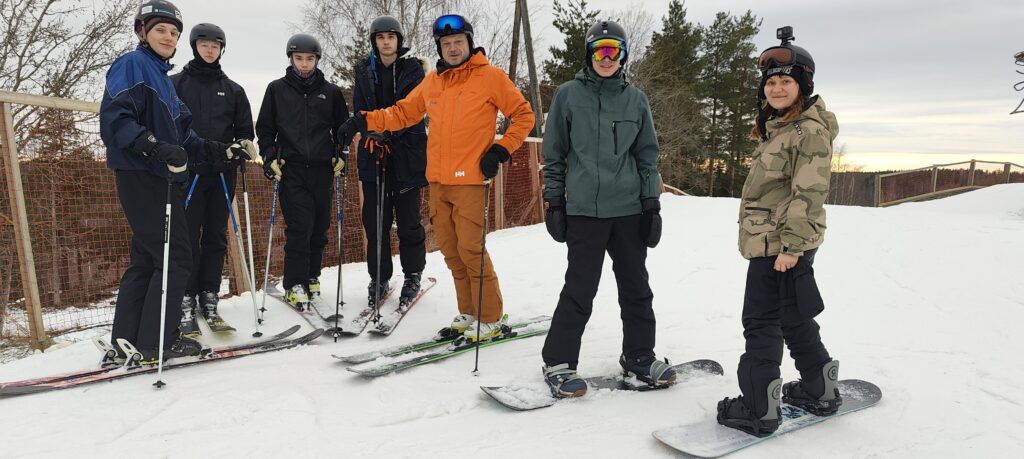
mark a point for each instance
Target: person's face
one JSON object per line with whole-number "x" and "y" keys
{"x": 304, "y": 62}
{"x": 781, "y": 91}
{"x": 387, "y": 43}
{"x": 455, "y": 48}
{"x": 209, "y": 50}
{"x": 606, "y": 67}
{"x": 162, "y": 39}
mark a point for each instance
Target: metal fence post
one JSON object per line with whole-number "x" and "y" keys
{"x": 16, "y": 193}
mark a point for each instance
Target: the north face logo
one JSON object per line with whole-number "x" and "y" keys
{"x": 322, "y": 96}
{"x": 460, "y": 173}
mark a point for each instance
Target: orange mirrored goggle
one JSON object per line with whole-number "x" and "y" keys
{"x": 775, "y": 57}
{"x": 606, "y": 48}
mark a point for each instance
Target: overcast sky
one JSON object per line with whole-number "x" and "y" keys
{"x": 912, "y": 82}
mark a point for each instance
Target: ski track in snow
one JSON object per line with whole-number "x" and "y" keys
{"x": 923, "y": 299}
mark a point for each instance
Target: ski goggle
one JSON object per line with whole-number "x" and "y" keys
{"x": 775, "y": 57}
{"x": 449, "y": 24}
{"x": 606, "y": 48}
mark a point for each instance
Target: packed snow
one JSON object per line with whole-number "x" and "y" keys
{"x": 923, "y": 299}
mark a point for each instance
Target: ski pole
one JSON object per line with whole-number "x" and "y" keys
{"x": 163, "y": 285}
{"x": 241, "y": 255}
{"x": 483, "y": 253}
{"x": 191, "y": 188}
{"x": 381, "y": 184}
{"x": 270, "y": 241}
{"x": 248, "y": 231}
{"x": 341, "y": 251}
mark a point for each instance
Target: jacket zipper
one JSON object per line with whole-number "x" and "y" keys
{"x": 597, "y": 199}
{"x": 305, "y": 127}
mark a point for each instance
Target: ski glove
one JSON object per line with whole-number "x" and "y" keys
{"x": 338, "y": 164}
{"x": 376, "y": 145}
{"x": 554, "y": 218}
{"x": 220, "y": 152}
{"x": 251, "y": 152}
{"x": 495, "y": 155}
{"x": 150, "y": 148}
{"x": 650, "y": 222}
{"x": 354, "y": 124}
{"x": 272, "y": 169}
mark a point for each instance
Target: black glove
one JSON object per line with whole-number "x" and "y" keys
{"x": 489, "y": 163}
{"x": 650, "y": 222}
{"x": 223, "y": 153}
{"x": 554, "y": 218}
{"x": 172, "y": 155}
{"x": 355, "y": 123}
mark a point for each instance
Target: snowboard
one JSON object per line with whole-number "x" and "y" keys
{"x": 526, "y": 397}
{"x": 709, "y": 439}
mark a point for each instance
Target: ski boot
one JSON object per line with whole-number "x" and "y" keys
{"x": 802, "y": 393}
{"x": 313, "y": 287}
{"x": 459, "y": 324}
{"x": 563, "y": 381}
{"x": 488, "y": 330}
{"x": 733, "y": 412}
{"x": 648, "y": 369}
{"x": 410, "y": 289}
{"x": 182, "y": 347}
{"x": 372, "y": 292}
{"x": 188, "y": 316}
{"x": 296, "y": 297}
{"x": 208, "y": 308}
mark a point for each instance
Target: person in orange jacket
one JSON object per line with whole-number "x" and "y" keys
{"x": 461, "y": 100}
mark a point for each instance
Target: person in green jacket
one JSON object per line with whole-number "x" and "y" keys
{"x": 601, "y": 187}
{"x": 781, "y": 225}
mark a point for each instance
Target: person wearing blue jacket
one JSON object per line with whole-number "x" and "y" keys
{"x": 147, "y": 132}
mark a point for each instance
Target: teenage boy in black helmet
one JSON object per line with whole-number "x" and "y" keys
{"x": 298, "y": 120}
{"x": 147, "y": 132}
{"x": 601, "y": 187}
{"x": 220, "y": 111}
{"x": 382, "y": 79}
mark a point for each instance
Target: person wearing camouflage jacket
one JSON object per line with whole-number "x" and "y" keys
{"x": 781, "y": 226}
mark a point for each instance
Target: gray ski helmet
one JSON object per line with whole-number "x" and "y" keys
{"x": 606, "y": 29}
{"x": 452, "y": 24}
{"x": 206, "y": 31}
{"x": 386, "y": 24}
{"x": 152, "y": 9}
{"x": 303, "y": 43}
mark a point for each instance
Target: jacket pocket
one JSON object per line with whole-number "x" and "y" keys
{"x": 624, "y": 133}
{"x": 757, "y": 220}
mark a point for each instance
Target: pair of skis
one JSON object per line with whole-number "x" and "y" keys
{"x": 109, "y": 372}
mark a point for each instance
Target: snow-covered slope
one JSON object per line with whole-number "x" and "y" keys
{"x": 926, "y": 300}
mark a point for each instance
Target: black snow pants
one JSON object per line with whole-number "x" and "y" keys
{"x": 306, "y": 199}
{"x": 207, "y": 214}
{"x": 401, "y": 204}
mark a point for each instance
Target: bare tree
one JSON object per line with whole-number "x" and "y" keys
{"x": 637, "y": 22}
{"x": 59, "y": 48}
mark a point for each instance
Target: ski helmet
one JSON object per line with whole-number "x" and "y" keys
{"x": 786, "y": 59}
{"x": 602, "y": 30}
{"x": 207, "y": 31}
{"x": 302, "y": 43}
{"x": 157, "y": 9}
{"x": 452, "y": 24}
{"x": 386, "y": 24}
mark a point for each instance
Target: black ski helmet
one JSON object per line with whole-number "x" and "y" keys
{"x": 606, "y": 29}
{"x": 206, "y": 31}
{"x": 786, "y": 59}
{"x": 157, "y": 9}
{"x": 452, "y": 24}
{"x": 303, "y": 43}
{"x": 386, "y": 24}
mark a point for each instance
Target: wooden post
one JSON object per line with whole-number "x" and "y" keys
{"x": 970, "y": 175}
{"x": 239, "y": 276}
{"x": 23, "y": 239}
{"x": 538, "y": 108}
{"x": 935, "y": 179}
{"x": 499, "y": 199}
{"x": 1006, "y": 170}
{"x": 535, "y": 185}
{"x": 878, "y": 190}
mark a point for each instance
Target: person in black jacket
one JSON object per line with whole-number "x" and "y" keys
{"x": 220, "y": 112}
{"x": 382, "y": 79}
{"x": 298, "y": 121}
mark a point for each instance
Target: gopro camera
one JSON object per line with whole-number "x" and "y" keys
{"x": 785, "y": 34}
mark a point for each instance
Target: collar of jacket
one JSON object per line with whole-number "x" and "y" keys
{"x": 200, "y": 69}
{"x": 613, "y": 84}
{"x": 304, "y": 85}
{"x": 477, "y": 58}
{"x": 164, "y": 64}
{"x": 815, "y": 112}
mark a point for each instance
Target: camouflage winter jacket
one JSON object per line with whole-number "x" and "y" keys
{"x": 781, "y": 209}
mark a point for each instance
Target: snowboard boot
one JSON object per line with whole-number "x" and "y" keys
{"x": 313, "y": 287}
{"x": 733, "y": 412}
{"x": 805, "y": 392}
{"x": 296, "y": 297}
{"x": 488, "y": 330}
{"x": 188, "y": 314}
{"x": 563, "y": 381}
{"x": 410, "y": 288}
{"x": 648, "y": 369}
{"x": 182, "y": 347}
{"x": 372, "y": 292}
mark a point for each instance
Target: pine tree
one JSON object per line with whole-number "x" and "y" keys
{"x": 573, "y": 20}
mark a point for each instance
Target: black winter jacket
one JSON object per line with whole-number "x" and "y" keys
{"x": 298, "y": 119}
{"x": 408, "y": 146}
{"x": 220, "y": 108}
